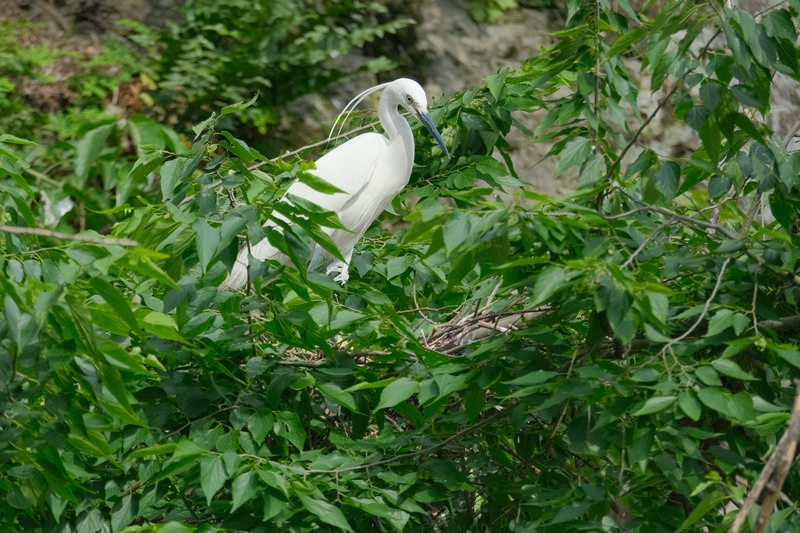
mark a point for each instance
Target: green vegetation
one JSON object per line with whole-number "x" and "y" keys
{"x": 620, "y": 359}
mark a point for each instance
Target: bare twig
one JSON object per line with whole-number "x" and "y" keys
{"x": 645, "y": 242}
{"x": 790, "y": 136}
{"x": 787, "y": 323}
{"x": 788, "y": 275}
{"x": 68, "y": 236}
{"x": 703, "y": 313}
{"x": 423, "y": 451}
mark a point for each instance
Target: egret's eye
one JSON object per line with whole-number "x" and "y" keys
{"x": 409, "y": 99}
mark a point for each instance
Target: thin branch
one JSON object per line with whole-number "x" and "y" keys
{"x": 707, "y": 304}
{"x": 423, "y": 451}
{"x": 790, "y": 136}
{"x": 790, "y": 276}
{"x": 301, "y": 363}
{"x": 788, "y": 323}
{"x": 293, "y": 153}
{"x": 653, "y": 234}
{"x": 68, "y": 236}
{"x": 655, "y": 112}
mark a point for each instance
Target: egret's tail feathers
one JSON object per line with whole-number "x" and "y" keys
{"x": 262, "y": 251}
{"x": 237, "y": 278}
{"x": 342, "y": 268}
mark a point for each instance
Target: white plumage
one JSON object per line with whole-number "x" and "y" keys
{"x": 371, "y": 169}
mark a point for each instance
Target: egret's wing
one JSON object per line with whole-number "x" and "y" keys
{"x": 348, "y": 167}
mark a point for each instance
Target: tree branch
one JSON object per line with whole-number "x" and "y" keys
{"x": 767, "y": 487}
{"x": 68, "y": 236}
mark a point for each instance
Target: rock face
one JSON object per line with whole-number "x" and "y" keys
{"x": 461, "y": 52}
{"x": 90, "y": 16}
{"x": 453, "y": 52}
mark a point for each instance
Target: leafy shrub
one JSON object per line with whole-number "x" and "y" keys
{"x": 50, "y": 82}
{"x": 224, "y": 51}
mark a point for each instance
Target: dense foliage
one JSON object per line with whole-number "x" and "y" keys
{"x": 212, "y": 54}
{"x": 616, "y": 360}
{"x": 227, "y": 50}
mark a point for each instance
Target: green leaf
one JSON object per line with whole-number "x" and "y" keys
{"x": 397, "y": 265}
{"x": 289, "y": 426}
{"x": 13, "y": 139}
{"x": 90, "y": 521}
{"x": 397, "y": 391}
{"x": 667, "y": 179}
{"x": 153, "y": 451}
{"x": 116, "y": 301}
{"x": 707, "y": 505}
{"x": 726, "y": 318}
{"x": 746, "y": 96}
{"x": 762, "y": 47}
{"x": 730, "y": 368}
{"x": 146, "y": 164}
{"x": 212, "y": 476}
{"x": 317, "y": 183}
{"x": 708, "y": 376}
{"x": 344, "y": 318}
{"x": 592, "y": 170}
{"x": 789, "y": 354}
{"x": 335, "y": 393}
{"x": 238, "y": 106}
{"x": 551, "y": 280}
{"x": 175, "y": 527}
{"x": 625, "y": 41}
{"x": 260, "y": 423}
{"x": 778, "y": 23}
{"x": 21, "y": 326}
{"x": 187, "y": 448}
{"x": 719, "y": 185}
{"x": 325, "y": 511}
{"x": 690, "y": 406}
{"x": 575, "y": 152}
{"x": 88, "y": 148}
{"x": 170, "y": 174}
{"x": 570, "y": 511}
{"x": 243, "y": 489}
{"x": 161, "y": 325}
{"x": 715, "y": 398}
{"x": 237, "y": 147}
{"x": 659, "y": 306}
{"x": 532, "y": 378}
{"x": 455, "y": 231}
{"x": 654, "y": 405}
{"x": 740, "y": 406}
{"x": 207, "y": 240}
{"x": 123, "y": 513}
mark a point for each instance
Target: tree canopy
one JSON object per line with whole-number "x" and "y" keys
{"x": 618, "y": 359}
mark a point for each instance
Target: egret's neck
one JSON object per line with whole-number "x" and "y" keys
{"x": 396, "y": 128}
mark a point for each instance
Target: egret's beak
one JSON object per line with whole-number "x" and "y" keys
{"x": 425, "y": 118}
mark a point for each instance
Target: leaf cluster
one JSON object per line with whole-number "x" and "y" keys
{"x": 619, "y": 359}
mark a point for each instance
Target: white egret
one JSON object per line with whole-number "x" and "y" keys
{"x": 370, "y": 169}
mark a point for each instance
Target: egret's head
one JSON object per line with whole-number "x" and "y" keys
{"x": 411, "y": 96}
